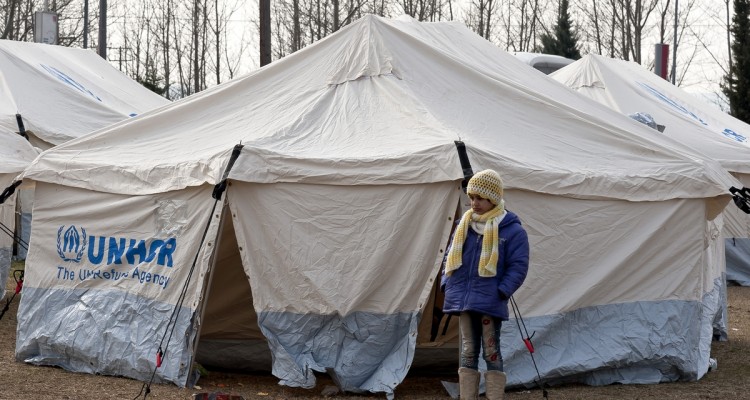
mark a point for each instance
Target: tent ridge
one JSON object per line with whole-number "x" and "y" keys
{"x": 364, "y": 75}
{"x": 367, "y": 57}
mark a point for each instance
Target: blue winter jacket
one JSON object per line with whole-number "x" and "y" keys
{"x": 465, "y": 290}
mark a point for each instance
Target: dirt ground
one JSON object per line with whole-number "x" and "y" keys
{"x": 23, "y": 381}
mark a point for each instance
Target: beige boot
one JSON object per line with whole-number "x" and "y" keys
{"x": 468, "y": 383}
{"x": 495, "y": 382}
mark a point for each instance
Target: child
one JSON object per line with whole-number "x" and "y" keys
{"x": 487, "y": 262}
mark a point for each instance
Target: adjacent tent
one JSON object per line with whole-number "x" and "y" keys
{"x": 16, "y": 154}
{"x": 61, "y": 93}
{"x": 627, "y": 87}
{"x": 326, "y": 245}
{"x": 52, "y": 94}
{"x": 546, "y": 63}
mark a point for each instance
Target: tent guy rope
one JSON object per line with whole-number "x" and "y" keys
{"x": 527, "y": 341}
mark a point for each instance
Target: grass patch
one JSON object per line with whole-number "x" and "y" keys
{"x": 14, "y": 266}
{"x": 17, "y": 265}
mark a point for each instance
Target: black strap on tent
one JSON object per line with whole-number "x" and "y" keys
{"x": 16, "y": 238}
{"x": 5, "y": 195}
{"x": 222, "y": 186}
{"x": 21, "y": 129}
{"x": 741, "y": 198}
{"x": 161, "y": 353}
{"x": 527, "y": 342}
{"x": 465, "y": 164}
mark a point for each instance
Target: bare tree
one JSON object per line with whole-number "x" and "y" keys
{"x": 522, "y": 21}
{"x": 727, "y": 26}
{"x": 182, "y": 51}
{"x": 163, "y": 10}
{"x": 663, "y": 20}
{"x": 693, "y": 39}
{"x": 597, "y": 29}
{"x": 481, "y": 16}
{"x": 422, "y": 10}
{"x": 612, "y": 32}
{"x": 218, "y": 25}
{"x": 280, "y": 32}
{"x": 638, "y": 13}
{"x": 196, "y": 45}
{"x": 10, "y": 18}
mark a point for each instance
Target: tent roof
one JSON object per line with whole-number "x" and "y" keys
{"x": 16, "y": 153}
{"x": 63, "y": 93}
{"x": 630, "y": 88}
{"x": 382, "y": 101}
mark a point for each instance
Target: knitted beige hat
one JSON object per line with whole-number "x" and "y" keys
{"x": 487, "y": 184}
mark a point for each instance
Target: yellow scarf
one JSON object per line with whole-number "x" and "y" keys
{"x": 489, "y": 256}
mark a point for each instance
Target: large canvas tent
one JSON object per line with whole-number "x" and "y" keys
{"x": 61, "y": 93}
{"x": 327, "y": 244}
{"x": 627, "y": 87}
{"x": 16, "y": 154}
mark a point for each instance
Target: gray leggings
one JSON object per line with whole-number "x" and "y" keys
{"x": 478, "y": 329}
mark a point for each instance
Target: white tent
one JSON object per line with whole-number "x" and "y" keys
{"x": 326, "y": 246}
{"x": 546, "y": 63}
{"x": 61, "y": 93}
{"x": 629, "y": 88}
{"x": 16, "y": 154}
{"x": 52, "y": 94}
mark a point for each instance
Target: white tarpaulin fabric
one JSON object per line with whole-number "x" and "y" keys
{"x": 361, "y": 326}
{"x": 627, "y": 87}
{"x": 15, "y": 154}
{"x": 63, "y": 93}
{"x": 340, "y": 204}
{"x": 116, "y": 265}
{"x": 629, "y": 294}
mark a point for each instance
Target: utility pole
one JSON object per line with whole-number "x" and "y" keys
{"x": 85, "y": 24}
{"x": 674, "y": 46}
{"x": 265, "y": 31}
{"x": 103, "y": 29}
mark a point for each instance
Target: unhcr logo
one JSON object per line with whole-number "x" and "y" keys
{"x": 67, "y": 79}
{"x": 71, "y": 244}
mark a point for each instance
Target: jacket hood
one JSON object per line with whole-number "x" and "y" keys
{"x": 510, "y": 218}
